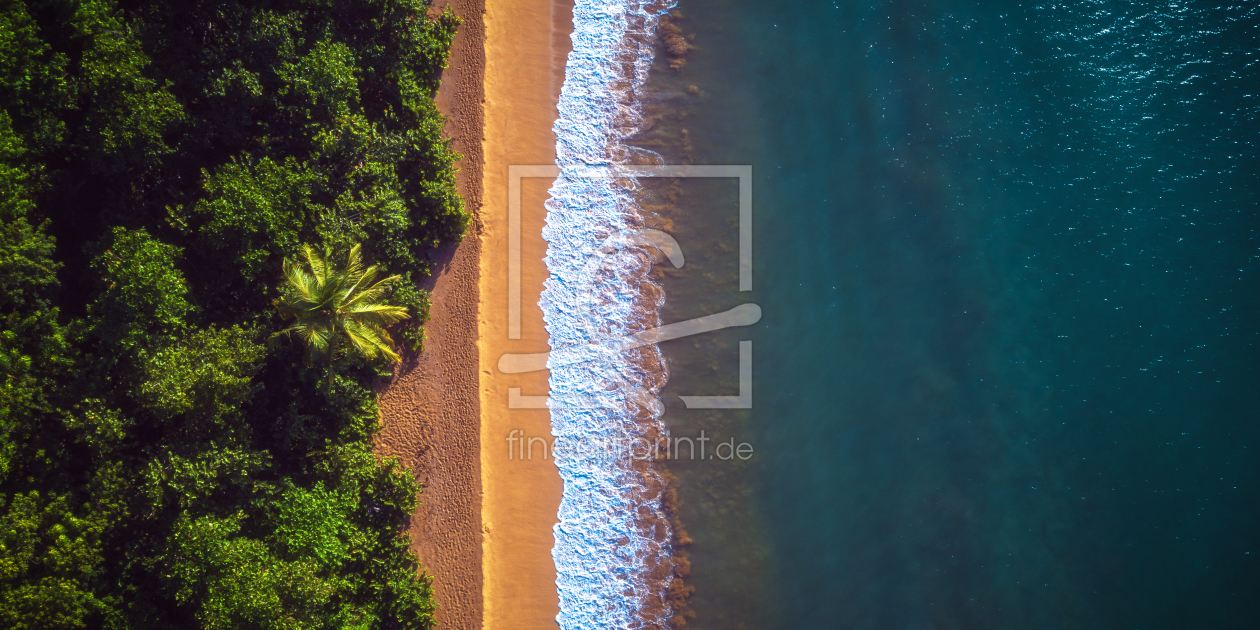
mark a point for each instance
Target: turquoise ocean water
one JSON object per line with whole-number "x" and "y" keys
{"x": 1007, "y": 258}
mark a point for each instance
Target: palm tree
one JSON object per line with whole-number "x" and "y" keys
{"x": 337, "y": 310}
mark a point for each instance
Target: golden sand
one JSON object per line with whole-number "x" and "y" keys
{"x": 527, "y": 44}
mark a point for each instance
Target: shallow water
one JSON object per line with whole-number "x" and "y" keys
{"x": 611, "y": 541}
{"x": 1007, "y": 371}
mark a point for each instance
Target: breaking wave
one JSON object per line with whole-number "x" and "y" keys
{"x": 612, "y": 543}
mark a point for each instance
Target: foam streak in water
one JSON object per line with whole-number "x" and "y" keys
{"x": 612, "y": 554}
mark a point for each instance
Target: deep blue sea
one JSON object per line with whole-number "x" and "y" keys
{"x": 1007, "y": 257}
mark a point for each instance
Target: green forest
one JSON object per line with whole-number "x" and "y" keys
{"x": 211, "y": 210}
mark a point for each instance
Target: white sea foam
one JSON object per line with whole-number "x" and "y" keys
{"x": 612, "y": 550}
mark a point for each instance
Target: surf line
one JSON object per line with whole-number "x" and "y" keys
{"x": 742, "y": 315}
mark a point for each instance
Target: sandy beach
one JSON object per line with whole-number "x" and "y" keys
{"x": 527, "y": 44}
{"x": 483, "y": 528}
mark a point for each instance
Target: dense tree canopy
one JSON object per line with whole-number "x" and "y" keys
{"x": 161, "y": 466}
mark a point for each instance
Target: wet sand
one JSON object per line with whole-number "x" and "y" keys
{"x": 527, "y": 44}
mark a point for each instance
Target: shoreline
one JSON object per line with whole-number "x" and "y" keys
{"x": 430, "y": 408}
{"x": 527, "y": 46}
{"x": 484, "y": 527}
{"x": 615, "y": 544}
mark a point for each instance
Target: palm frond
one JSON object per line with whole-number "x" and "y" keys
{"x": 325, "y": 305}
{"x": 371, "y": 340}
{"x": 354, "y": 263}
{"x": 373, "y": 293}
{"x": 315, "y": 262}
{"x": 378, "y": 314}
